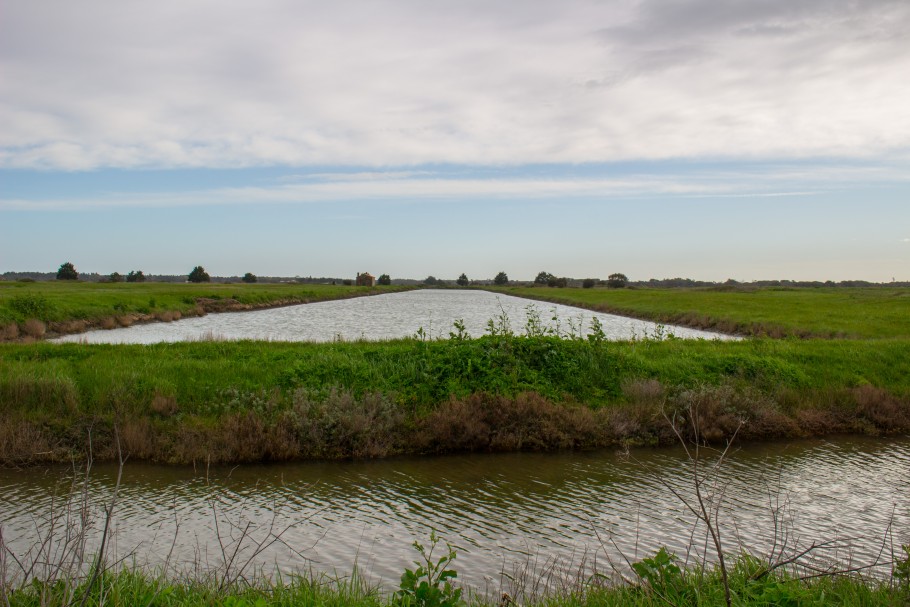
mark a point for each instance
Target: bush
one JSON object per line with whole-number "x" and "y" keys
{"x": 115, "y": 277}
{"x": 384, "y": 279}
{"x": 617, "y": 280}
{"x": 501, "y": 279}
{"x": 135, "y": 276}
{"x": 199, "y": 275}
{"x": 249, "y": 277}
{"x": 463, "y": 280}
{"x": 588, "y": 283}
{"x": 543, "y": 278}
{"x": 67, "y": 272}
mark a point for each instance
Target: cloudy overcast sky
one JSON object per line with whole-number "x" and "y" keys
{"x": 746, "y": 139}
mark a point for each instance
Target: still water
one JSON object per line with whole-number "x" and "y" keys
{"x": 503, "y": 513}
{"x": 388, "y": 316}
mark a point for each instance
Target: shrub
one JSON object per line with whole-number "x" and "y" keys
{"x": 30, "y": 305}
{"x": 588, "y": 283}
{"x": 384, "y": 279}
{"x": 617, "y": 280}
{"x": 135, "y": 276}
{"x": 199, "y": 275}
{"x": 115, "y": 277}
{"x": 67, "y": 272}
{"x": 249, "y": 277}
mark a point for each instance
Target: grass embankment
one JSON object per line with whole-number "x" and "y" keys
{"x": 858, "y": 313}
{"x": 32, "y": 310}
{"x": 255, "y": 401}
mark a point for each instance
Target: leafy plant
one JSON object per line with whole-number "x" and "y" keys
{"x": 429, "y": 584}
{"x": 30, "y": 305}
{"x": 662, "y": 575}
{"x": 460, "y": 333}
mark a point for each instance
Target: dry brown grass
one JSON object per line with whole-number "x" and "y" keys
{"x": 125, "y": 320}
{"x": 22, "y": 442}
{"x": 162, "y": 405}
{"x": 34, "y": 328}
{"x": 881, "y": 408}
{"x": 109, "y": 322}
{"x": 485, "y": 422}
{"x": 9, "y": 332}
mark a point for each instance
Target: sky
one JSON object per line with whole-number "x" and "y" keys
{"x": 744, "y": 139}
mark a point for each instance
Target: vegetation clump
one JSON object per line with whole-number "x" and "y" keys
{"x": 198, "y": 274}
{"x": 67, "y": 272}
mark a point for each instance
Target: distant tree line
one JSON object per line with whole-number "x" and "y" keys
{"x": 68, "y": 271}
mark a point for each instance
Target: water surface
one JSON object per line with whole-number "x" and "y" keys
{"x": 503, "y": 513}
{"x": 389, "y": 316}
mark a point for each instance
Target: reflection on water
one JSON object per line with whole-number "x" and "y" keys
{"x": 499, "y": 511}
{"x": 389, "y": 316}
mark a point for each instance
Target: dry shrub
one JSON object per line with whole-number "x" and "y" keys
{"x": 125, "y": 320}
{"x": 108, "y": 322}
{"x": 166, "y": 316}
{"x": 246, "y": 438}
{"x": 34, "y": 328}
{"x": 138, "y": 439}
{"x": 23, "y": 442}
{"x": 485, "y": 422}
{"x": 717, "y": 411}
{"x": 818, "y": 422}
{"x": 9, "y": 332}
{"x": 644, "y": 391}
{"x": 176, "y": 315}
{"x": 882, "y": 409}
{"x": 344, "y": 426}
{"x": 164, "y": 406}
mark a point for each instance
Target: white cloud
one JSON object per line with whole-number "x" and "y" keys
{"x": 371, "y": 83}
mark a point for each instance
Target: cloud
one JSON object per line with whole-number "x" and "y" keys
{"x": 397, "y": 83}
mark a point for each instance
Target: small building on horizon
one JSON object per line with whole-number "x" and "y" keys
{"x": 365, "y": 280}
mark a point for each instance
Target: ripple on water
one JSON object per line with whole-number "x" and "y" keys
{"x": 389, "y": 316}
{"x": 501, "y": 512}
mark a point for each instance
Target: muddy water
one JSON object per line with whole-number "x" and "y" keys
{"x": 503, "y": 513}
{"x": 396, "y": 315}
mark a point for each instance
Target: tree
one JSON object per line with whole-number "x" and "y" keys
{"x": 430, "y": 280}
{"x": 384, "y": 279}
{"x": 543, "y": 278}
{"x": 135, "y": 276}
{"x": 501, "y": 279}
{"x": 463, "y": 280}
{"x": 199, "y": 275}
{"x": 249, "y": 277}
{"x": 617, "y": 280}
{"x": 115, "y": 277}
{"x": 67, "y": 272}
{"x": 588, "y": 283}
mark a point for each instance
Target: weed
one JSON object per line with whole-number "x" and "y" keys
{"x": 429, "y": 585}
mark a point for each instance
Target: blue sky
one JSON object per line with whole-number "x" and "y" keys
{"x": 746, "y": 140}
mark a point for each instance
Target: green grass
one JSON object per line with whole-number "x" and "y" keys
{"x": 301, "y": 400}
{"x": 661, "y": 584}
{"x": 867, "y": 313}
{"x": 62, "y": 301}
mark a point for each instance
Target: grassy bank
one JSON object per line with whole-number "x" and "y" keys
{"x": 255, "y": 401}
{"x": 857, "y": 313}
{"x": 669, "y": 587}
{"x": 36, "y": 309}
